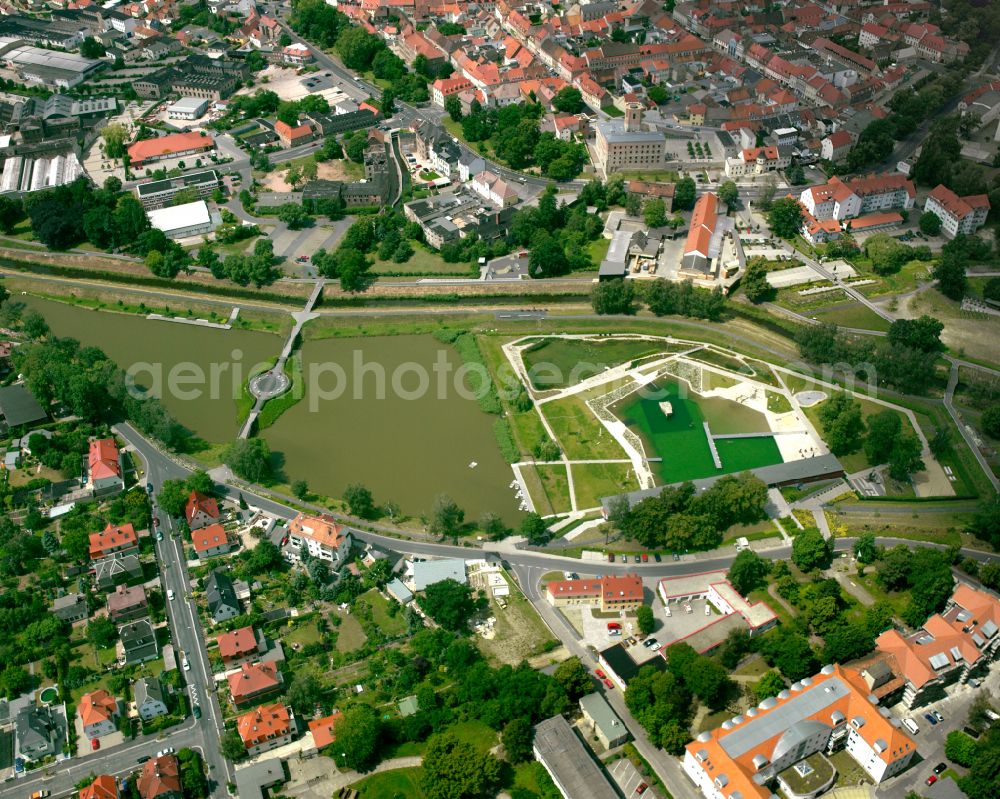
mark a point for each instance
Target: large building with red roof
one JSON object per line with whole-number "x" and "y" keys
{"x": 113, "y": 540}
{"x": 200, "y": 511}
{"x": 958, "y": 214}
{"x": 751, "y": 754}
{"x": 838, "y": 199}
{"x": 174, "y": 145}
{"x": 254, "y": 682}
{"x": 950, "y": 648}
{"x": 266, "y": 728}
{"x": 160, "y": 779}
{"x": 611, "y": 593}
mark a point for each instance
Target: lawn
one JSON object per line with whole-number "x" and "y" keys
{"x": 350, "y": 635}
{"x": 856, "y": 315}
{"x": 391, "y": 626}
{"x": 578, "y": 432}
{"x": 422, "y": 262}
{"x": 476, "y": 733}
{"x": 591, "y": 481}
{"x": 755, "y": 667}
{"x": 941, "y": 528}
{"x": 555, "y": 486}
{"x": 598, "y": 250}
{"x": 402, "y": 783}
{"x": 560, "y": 362}
{"x": 536, "y": 490}
{"x": 302, "y": 634}
{"x": 527, "y": 429}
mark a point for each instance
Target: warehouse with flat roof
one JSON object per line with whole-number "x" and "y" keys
{"x": 49, "y": 67}
{"x": 188, "y": 108}
{"x": 180, "y": 221}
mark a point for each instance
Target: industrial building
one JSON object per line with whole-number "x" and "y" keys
{"x": 180, "y": 221}
{"x": 51, "y": 68}
{"x": 569, "y": 762}
{"x": 28, "y": 168}
{"x": 187, "y": 108}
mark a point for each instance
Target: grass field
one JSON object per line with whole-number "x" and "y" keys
{"x": 560, "y": 362}
{"x": 402, "y": 783}
{"x": 941, "y": 528}
{"x": 527, "y": 429}
{"x": 302, "y": 634}
{"x": 350, "y": 635}
{"x": 592, "y": 481}
{"x": 520, "y": 631}
{"x": 424, "y": 262}
{"x": 598, "y": 250}
{"x": 579, "y": 433}
{"x": 536, "y": 490}
{"x": 555, "y": 485}
{"x": 852, "y": 316}
{"x": 390, "y": 625}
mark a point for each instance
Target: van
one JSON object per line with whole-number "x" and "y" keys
{"x": 911, "y": 725}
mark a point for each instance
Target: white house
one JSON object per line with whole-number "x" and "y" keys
{"x": 958, "y": 214}
{"x": 321, "y": 537}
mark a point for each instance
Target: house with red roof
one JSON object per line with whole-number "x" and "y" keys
{"x": 951, "y": 647}
{"x": 840, "y": 200}
{"x": 324, "y": 730}
{"x": 160, "y": 779}
{"x": 113, "y": 540}
{"x": 958, "y": 214}
{"x": 241, "y": 646}
{"x": 610, "y": 593}
{"x": 99, "y": 713}
{"x": 266, "y": 728}
{"x": 832, "y": 710}
{"x": 174, "y": 145}
{"x": 104, "y": 468}
{"x": 293, "y": 136}
{"x": 201, "y": 510}
{"x": 210, "y": 541}
{"x": 104, "y": 786}
{"x": 758, "y": 161}
{"x": 254, "y": 682}
{"x": 321, "y": 536}
{"x": 836, "y": 146}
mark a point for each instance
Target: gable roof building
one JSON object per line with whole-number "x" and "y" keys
{"x": 951, "y": 646}
{"x": 98, "y": 713}
{"x": 240, "y": 645}
{"x": 322, "y": 537}
{"x": 221, "y": 597}
{"x": 160, "y": 778}
{"x": 18, "y": 406}
{"x": 210, "y": 541}
{"x": 816, "y": 714}
{"x": 150, "y": 698}
{"x": 569, "y": 762}
{"x": 104, "y": 469}
{"x": 958, "y": 214}
{"x": 266, "y": 728}
{"x": 40, "y": 731}
{"x": 127, "y": 602}
{"x": 609, "y": 593}
{"x": 200, "y": 510}
{"x": 111, "y": 570}
{"x": 174, "y": 145}
{"x": 254, "y": 681}
{"x": 104, "y": 786}
{"x": 113, "y": 540}
{"x": 138, "y": 642}
{"x": 323, "y": 730}
{"x": 71, "y": 607}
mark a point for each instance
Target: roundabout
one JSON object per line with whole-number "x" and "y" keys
{"x": 269, "y": 384}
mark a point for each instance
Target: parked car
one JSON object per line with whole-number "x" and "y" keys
{"x": 649, "y": 643}
{"x": 600, "y": 673}
{"x": 18, "y": 765}
{"x": 95, "y": 744}
{"x": 608, "y": 684}
{"x": 937, "y": 715}
{"x": 611, "y": 557}
{"x": 613, "y": 625}
{"x": 42, "y": 794}
{"x": 931, "y": 779}
{"x": 645, "y": 558}
{"x": 940, "y": 767}
{"x": 676, "y": 556}
{"x": 170, "y": 593}
{"x": 159, "y": 535}
{"x": 150, "y": 488}
{"x": 930, "y": 718}
{"x": 143, "y": 759}
{"x": 641, "y": 788}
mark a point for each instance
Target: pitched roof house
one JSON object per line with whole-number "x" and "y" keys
{"x": 266, "y": 728}
{"x": 98, "y": 713}
{"x": 39, "y": 730}
{"x": 254, "y": 682}
{"x": 323, "y": 729}
{"x": 210, "y": 541}
{"x": 104, "y": 786}
{"x": 116, "y": 568}
{"x": 127, "y": 602}
{"x": 240, "y": 646}
{"x": 138, "y": 642}
{"x": 150, "y": 698}
{"x": 160, "y": 779}
{"x": 221, "y": 597}
{"x": 200, "y": 511}
{"x": 113, "y": 540}
{"x": 322, "y": 537}
{"x": 104, "y": 469}
{"x": 71, "y": 607}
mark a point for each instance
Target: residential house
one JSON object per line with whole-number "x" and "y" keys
{"x": 958, "y": 214}
{"x": 469, "y": 165}
{"x": 126, "y": 603}
{"x": 836, "y": 146}
{"x": 610, "y": 593}
{"x": 323, "y": 730}
{"x": 201, "y": 511}
{"x": 840, "y": 200}
{"x": 950, "y": 648}
{"x": 70, "y": 608}
{"x": 137, "y": 642}
{"x": 221, "y": 597}
{"x": 658, "y": 191}
{"x": 40, "y": 732}
{"x": 210, "y": 541}
{"x": 160, "y": 779}
{"x": 821, "y": 714}
{"x": 758, "y": 161}
{"x": 266, "y": 728}
{"x": 321, "y": 536}
{"x": 104, "y": 468}
{"x": 104, "y": 786}
{"x": 255, "y": 682}
{"x": 113, "y": 540}
{"x": 436, "y": 149}
{"x": 116, "y": 569}
{"x": 99, "y": 713}
{"x": 150, "y": 698}
{"x": 494, "y": 189}
{"x": 241, "y": 646}
{"x": 297, "y": 54}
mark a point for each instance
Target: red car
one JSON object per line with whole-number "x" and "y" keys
{"x": 95, "y": 744}
{"x": 645, "y": 558}
{"x": 641, "y": 788}
{"x": 614, "y": 625}
{"x": 608, "y": 684}
{"x": 931, "y": 779}
{"x": 600, "y": 674}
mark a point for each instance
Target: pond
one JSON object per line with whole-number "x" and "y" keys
{"x": 404, "y": 444}
{"x": 680, "y": 438}
{"x": 132, "y": 339}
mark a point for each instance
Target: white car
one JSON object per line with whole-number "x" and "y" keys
{"x": 170, "y": 593}
{"x": 186, "y": 665}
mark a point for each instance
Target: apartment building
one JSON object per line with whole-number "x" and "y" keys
{"x": 758, "y": 161}
{"x": 841, "y": 200}
{"x": 266, "y": 728}
{"x": 772, "y": 743}
{"x": 950, "y": 648}
{"x": 958, "y": 214}
{"x": 611, "y": 593}
{"x": 321, "y": 536}
{"x": 161, "y": 193}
